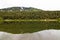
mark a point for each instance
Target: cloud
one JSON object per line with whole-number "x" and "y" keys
{"x": 42, "y": 4}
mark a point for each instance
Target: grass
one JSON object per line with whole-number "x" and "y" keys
{"x": 31, "y": 20}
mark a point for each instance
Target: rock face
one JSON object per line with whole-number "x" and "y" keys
{"x": 41, "y": 35}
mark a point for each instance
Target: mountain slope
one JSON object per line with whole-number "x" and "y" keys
{"x": 19, "y": 9}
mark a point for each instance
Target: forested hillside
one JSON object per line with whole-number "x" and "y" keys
{"x": 28, "y": 13}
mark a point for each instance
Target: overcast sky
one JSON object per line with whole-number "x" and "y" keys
{"x": 41, "y": 4}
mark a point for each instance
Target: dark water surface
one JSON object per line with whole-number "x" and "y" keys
{"x": 25, "y": 27}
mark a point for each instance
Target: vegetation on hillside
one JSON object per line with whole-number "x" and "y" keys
{"x": 28, "y": 13}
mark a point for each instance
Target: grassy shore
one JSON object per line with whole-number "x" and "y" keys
{"x": 31, "y": 20}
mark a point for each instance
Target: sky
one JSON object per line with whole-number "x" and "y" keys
{"x": 40, "y": 4}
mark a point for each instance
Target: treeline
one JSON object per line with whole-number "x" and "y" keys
{"x": 30, "y": 14}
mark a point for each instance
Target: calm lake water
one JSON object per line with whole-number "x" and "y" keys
{"x": 24, "y": 27}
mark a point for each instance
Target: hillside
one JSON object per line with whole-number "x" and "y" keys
{"x": 28, "y": 13}
{"x": 19, "y": 9}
